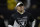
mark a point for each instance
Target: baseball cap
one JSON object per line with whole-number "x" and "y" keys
{"x": 19, "y": 4}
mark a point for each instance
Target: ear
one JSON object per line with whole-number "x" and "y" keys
{"x": 15, "y": 7}
{"x": 23, "y": 6}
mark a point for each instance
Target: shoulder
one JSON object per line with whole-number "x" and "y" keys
{"x": 27, "y": 13}
{"x": 14, "y": 15}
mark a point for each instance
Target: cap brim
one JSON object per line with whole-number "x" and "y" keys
{"x": 19, "y": 4}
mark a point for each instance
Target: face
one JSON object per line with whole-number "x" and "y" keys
{"x": 1, "y": 16}
{"x": 20, "y": 8}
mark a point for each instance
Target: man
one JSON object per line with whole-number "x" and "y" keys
{"x": 2, "y": 21}
{"x": 21, "y": 18}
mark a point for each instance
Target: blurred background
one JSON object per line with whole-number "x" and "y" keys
{"x": 7, "y": 9}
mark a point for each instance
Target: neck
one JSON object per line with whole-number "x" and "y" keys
{"x": 21, "y": 12}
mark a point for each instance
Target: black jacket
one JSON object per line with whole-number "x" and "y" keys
{"x": 26, "y": 18}
{"x": 2, "y": 23}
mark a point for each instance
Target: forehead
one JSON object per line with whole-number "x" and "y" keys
{"x": 19, "y": 6}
